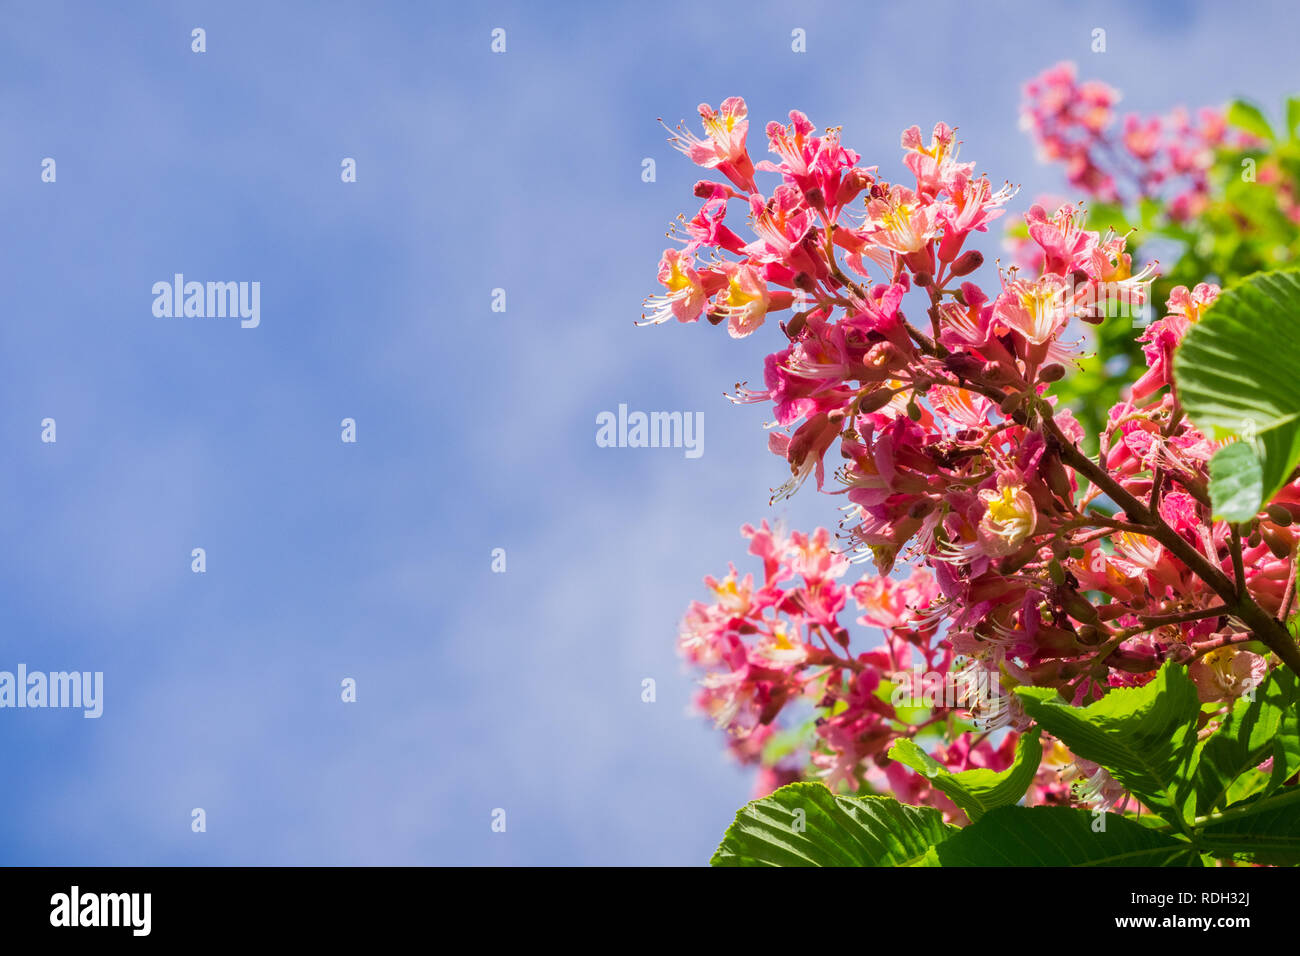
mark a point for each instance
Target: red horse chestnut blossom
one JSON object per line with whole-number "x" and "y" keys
{"x": 1169, "y": 156}
{"x": 1032, "y": 563}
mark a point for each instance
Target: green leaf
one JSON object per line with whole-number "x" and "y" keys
{"x": 1246, "y": 116}
{"x": 1293, "y": 116}
{"x": 804, "y": 824}
{"x": 1253, "y": 731}
{"x": 980, "y": 790}
{"x": 1286, "y": 756}
{"x": 1235, "y": 373}
{"x": 1149, "y": 210}
{"x": 1236, "y": 482}
{"x": 1061, "y": 836}
{"x": 1103, "y": 216}
{"x": 1145, "y": 736}
{"x": 1268, "y": 831}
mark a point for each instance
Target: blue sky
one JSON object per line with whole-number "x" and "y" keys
{"x": 475, "y": 429}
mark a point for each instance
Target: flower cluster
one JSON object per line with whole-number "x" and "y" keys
{"x": 1036, "y": 564}
{"x": 776, "y": 647}
{"x": 1117, "y": 160}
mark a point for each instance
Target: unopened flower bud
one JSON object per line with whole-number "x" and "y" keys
{"x": 883, "y": 355}
{"x": 1051, "y": 672}
{"x": 1079, "y": 608}
{"x": 1278, "y": 541}
{"x": 967, "y": 262}
{"x": 921, "y": 508}
{"x": 1057, "y": 479}
{"x": 874, "y": 401}
{"x": 1136, "y": 659}
{"x": 854, "y": 181}
{"x": 994, "y": 373}
{"x": 1056, "y": 572}
{"x": 1279, "y": 515}
{"x": 1051, "y": 373}
{"x": 705, "y": 189}
{"x": 962, "y": 363}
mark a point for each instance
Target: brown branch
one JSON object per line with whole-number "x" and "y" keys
{"x": 1269, "y": 630}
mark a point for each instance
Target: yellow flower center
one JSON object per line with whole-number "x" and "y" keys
{"x": 781, "y": 638}
{"x": 1004, "y": 508}
{"x": 737, "y": 297}
{"x": 678, "y": 280}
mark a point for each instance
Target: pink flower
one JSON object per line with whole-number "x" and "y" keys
{"x": 724, "y": 149}
{"x": 1010, "y": 516}
{"x": 972, "y": 205}
{"x": 1037, "y": 310}
{"x": 900, "y": 221}
{"x": 1163, "y": 335}
{"x": 796, "y": 146}
{"x": 895, "y": 603}
{"x": 1141, "y": 138}
{"x": 1227, "y": 673}
{"x": 1066, "y": 245}
{"x": 745, "y": 300}
{"x": 935, "y": 166}
{"x": 686, "y": 293}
